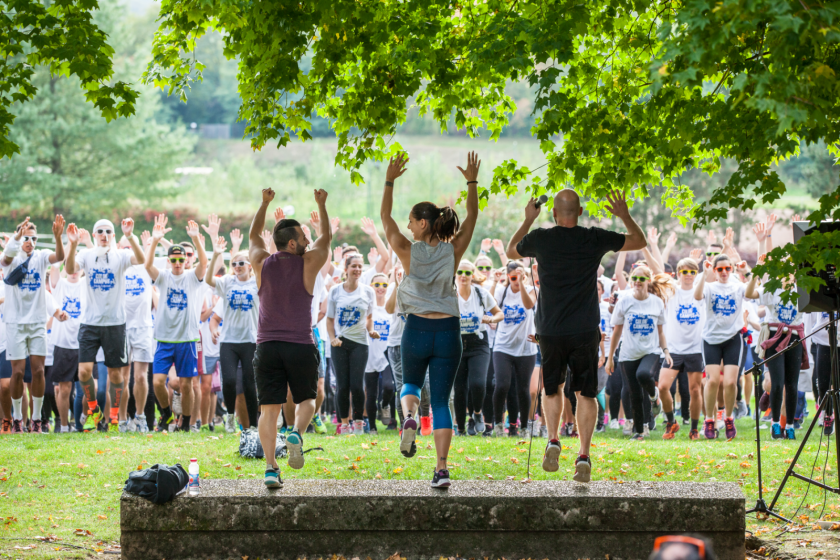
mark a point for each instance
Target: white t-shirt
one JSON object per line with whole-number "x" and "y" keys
{"x": 138, "y": 297}
{"x": 684, "y": 319}
{"x": 606, "y": 324}
{"x": 350, "y": 311}
{"x": 377, "y": 361}
{"x": 179, "y": 306}
{"x": 105, "y": 286}
{"x": 814, "y": 321}
{"x": 319, "y": 292}
{"x": 640, "y": 318}
{"x": 208, "y": 348}
{"x": 70, "y": 298}
{"x": 397, "y": 321}
{"x": 26, "y": 302}
{"x": 724, "y": 305}
{"x": 242, "y": 308}
{"x": 512, "y": 333}
{"x": 472, "y": 311}
{"x": 778, "y": 311}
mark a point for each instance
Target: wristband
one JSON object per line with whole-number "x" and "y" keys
{"x": 389, "y": 183}
{"x": 469, "y": 182}
{"x": 12, "y": 248}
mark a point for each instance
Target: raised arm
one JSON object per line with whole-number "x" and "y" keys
{"x": 654, "y": 263}
{"x": 532, "y": 211}
{"x": 652, "y": 250}
{"x": 73, "y": 236}
{"x": 462, "y": 239}
{"x": 218, "y": 250}
{"x": 617, "y": 205}
{"x": 369, "y": 227}
{"x": 669, "y": 245}
{"x": 257, "y": 252}
{"x": 58, "y": 229}
{"x": 193, "y": 233}
{"x": 751, "y": 292}
{"x": 399, "y": 242}
{"x": 620, "y": 259}
{"x": 499, "y": 247}
{"x": 700, "y": 286}
{"x": 315, "y": 259}
{"x": 158, "y": 232}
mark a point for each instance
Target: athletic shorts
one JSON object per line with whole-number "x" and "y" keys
{"x": 728, "y": 352}
{"x": 210, "y": 364}
{"x": 65, "y": 366}
{"x": 141, "y": 344}
{"x": 112, "y": 340}
{"x": 281, "y": 366}
{"x": 6, "y": 369}
{"x": 690, "y": 363}
{"x": 576, "y": 353}
{"x": 24, "y": 340}
{"x": 180, "y": 354}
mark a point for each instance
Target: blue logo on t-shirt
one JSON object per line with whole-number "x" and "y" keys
{"x": 688, "y": 314}
{"x": 134, "y": 285}
{"x": 241, "y": 300}
{"x": 724, "y": 305}
{"x": 469, "y": 323}
{"x": 349, "y": 316}
{"x": 382, "y": 328}
{"x": 72, "y": 306}
{"x": 102, "y": 279}
{"x": 31, "y": 282}
{"x": 514, "y": 314}
{"x": 176, "y": 299}
{"x": 787, "y": 313}
{"x": 641, "y": 325}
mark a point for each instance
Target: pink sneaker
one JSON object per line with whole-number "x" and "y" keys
{"x": 731, "y": 432}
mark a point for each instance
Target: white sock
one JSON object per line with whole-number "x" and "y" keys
{"x": 37, "y": 403}
{"x": 777, "y": 424}
{"x": 65, "y": 429}
{"x": 17, "y": 408}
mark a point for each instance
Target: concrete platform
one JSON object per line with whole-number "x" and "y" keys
{"x": 473, "y": 519}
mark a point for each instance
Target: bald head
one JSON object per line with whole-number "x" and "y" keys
{"x": 567, "y": 208}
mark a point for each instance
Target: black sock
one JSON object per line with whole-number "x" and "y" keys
{"x": 694, "y": 423}
{"x": 166, "y": 413}
{"x": 670, "y": 417}
{"x": 185, "y": 422}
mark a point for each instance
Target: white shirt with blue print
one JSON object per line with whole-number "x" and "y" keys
{"x": 512, "y": 333}
{"x": 684, "y": 320}
{"x": 104, "y": 281}
{"x": 242, "y": 308}
{"x": 640, "y": 318}
{"x": 350, "y": 311}
{"x": 26, "y": 302}
{"x": 472, "y": 310}
{"x": 778, "y": 311}
{"x": 377, "y": 360}
{"x": 176, "y": 319}
{"x": 138, "y": 295}
{"x": 724, "y": 305}
{"x": 69, "y": 298}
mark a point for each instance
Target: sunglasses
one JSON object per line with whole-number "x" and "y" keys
{"x": 688, "y": 272}
{"x": 174, "y": 260}
{"x": 104, "y": 231}
{"x": 724, "y": 269}
{"x": 189, "y": 255}
{"x": 380, "y": 284}
{"x": 32, "y": 238}
{"x": 712, "y": 253}
{"x": 239, "y": 263}
{"x": 639, "y": 278}
{"x": 464, "y": 273}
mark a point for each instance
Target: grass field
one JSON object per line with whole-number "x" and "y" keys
{"x": 67, "y": 488}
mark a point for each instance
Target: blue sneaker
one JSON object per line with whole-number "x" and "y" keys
{"x": 441, "y": 479}
{"x": 284, "y": 430}
{"x": 272, "y": 478}
{"x": 790, "y": 433}
{"x": 294, "y": 443}
{"x": 776, "y": 431}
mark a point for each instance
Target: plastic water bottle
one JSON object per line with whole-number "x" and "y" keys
{"x": 193, "y": 484}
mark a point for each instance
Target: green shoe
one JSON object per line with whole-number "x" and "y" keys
{"x": 92, "y": 420}
{"x": 318, "y": 424}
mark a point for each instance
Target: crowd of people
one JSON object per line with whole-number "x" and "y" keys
{"x": 133, "y": 334}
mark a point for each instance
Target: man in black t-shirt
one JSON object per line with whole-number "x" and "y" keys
{"x": 568, "y": 316}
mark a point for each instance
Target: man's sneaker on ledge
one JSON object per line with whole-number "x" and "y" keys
{"x": 272, "y": 478}
{"x": 409, "y": 432}
{"x": 441, "y": 479}
{"x": 583, "y": 468}
{"x": 551, "y": 456}
{"x": 294, "y": 443}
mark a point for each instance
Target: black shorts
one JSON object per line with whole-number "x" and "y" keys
{"x": 65, "y": 366}
{"x": 690, "y": 363}
{"x": 729, "y": 352}
{"x": 579, "y": 354}
{"x": 281, "y": 365}
{"x": 111, "y": 339}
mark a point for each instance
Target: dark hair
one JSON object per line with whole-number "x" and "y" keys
{"x": 513, "y": 265}
{"x": 720, "y": 257}
{"x": 444, "y": 221}
{"x": 284, "y": 231}
{"x": 187, "y": 244}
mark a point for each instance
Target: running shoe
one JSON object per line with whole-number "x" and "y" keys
{"x": 408, "y": 446}
{"x": 686, "y": 421}
{"x": 694, "y": 435}
{"x": 358, "y": 428}
{"x": 719, "y": 423}
{"x": 7, "y": 427}
{"x": 499, "y": 430}
{"x": 709, "y": 429}
{"x": 114, "y": 425}
{"x": 471, "y": 427}
{"x": 176, "y": 403}
{"x": 652, "y": 423}
{"x": 551, "y": 456}
{"x": 764, "y": 402}
{"x": 583, "y": 468}
{"x": 294, "y": 443}
{"x": 513, "y": 431}
{"x": 790, "y": 433}
{"x": 17, "y": 426}
{"x": 318, "y": 424}
{"x": 776, "y": 431}
{"x": 441, "y": 479}
{"x": 479, "y": 422}
{"x": 272, "y": 478}
{"x": 285, "y": 430}
{"x": 741, "y": 410}
{"x": 488, "y": 430}
{"x": 628, "y": 428}
{"x": 655, "y": 405}
{"x": 93, "y": 419}
{"x": 196, "y": 428}
{"x": 124, "y": 426}
{"x": 828, "y": 425}
{"x": 646, "y": 432}
{"x": 637, "y": 437}
{"x": 600, "y": 428}
{"x": 671, "y": 430}
{"x": 797, "y": 424}
{"x": 426, "y": 426}
{"x": 731, "y": 432}
{"x": 163, "y": 423}
{"x": 141, "y": 424}
{"x": 37, "y": 428}
{"x": 614, "y": 425}
{"x": 230, "y": 423}
{"x": 198, "y": 424}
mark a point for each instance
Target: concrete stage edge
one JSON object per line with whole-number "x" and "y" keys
{"x": 473, "y": 519}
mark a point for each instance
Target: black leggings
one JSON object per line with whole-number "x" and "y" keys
{"x": 681, "y": 380}
{"x": 372, "y": 387}
{"x": 232, "y": 355}
{"x": 489, "y": 390}
{"x": 784, "y": 376}
{"x": 822, "y": 371}
{"x": 349, "y": 361}
{"x": 640, "y": 378}
{"x": 508, "y": 367}
{"x": 471, "y": 377}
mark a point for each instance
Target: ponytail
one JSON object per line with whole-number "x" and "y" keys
{"x": 444, "y": 222}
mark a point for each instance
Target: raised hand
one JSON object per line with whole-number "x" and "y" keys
{"x": 306, "y": 233}
{"x": 145, "y": 238}
{"x": 235, "y": 237}
{"x": 267, "y": 195}
{"x": 532, "y": 211}
{"x": 219, "y": 245}
{"x": 696, "y": 254}
{"x": 672, "y": 240}
{"x": 728, "y": 238}
{"x": 760, "y": 231}
{"x": 711, "y": 238}
{"x": 334, "y": 224}
{"x": 212, "y": 229}
{"x": 160, "y": 230}
{"x": 127, "y": 226}
{"x": 320, "y": 197}
{"x": 486, "y": 244}
{"x": 653, "y": 235}
{"x": 201, "y": 240}
{"x": 770, "y": 222}
{"x": 368, "y": 226}
{"x": 396, "y": 167}
{"x": 762, "y": 258}
{"x": 279, "y": 215}
{"x": 192, "y": 230}
{"x": 73, "y": 234}
{"x": 23, "y": 226}
{"x": 617, "y": 203}
{"x": 498, "y": 246}
{"x": 315, "y": 221}
{"x": 266, "y": 235}
{"x": 337, "y": 253}
{"x": 473, "y": 165}
{"x": 84, "y": 237}
{"x": 58, "y": 226}
{"x": 372, "y": 255}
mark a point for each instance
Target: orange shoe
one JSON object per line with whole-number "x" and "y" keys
{"x": 425, "y": 426}
{"x": 7, "y": 427}
{"x": 694, "y": 435}
{"x": 671, "y": 430}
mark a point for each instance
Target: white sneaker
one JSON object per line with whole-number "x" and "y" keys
{"x": 499, "y": 430}
{"x": 358, "y": 427}
{"x": 628, "y": 427}
{"x": 614, "y": 425}
{"x": 124, "y": 426}
{"x": 646, "y": 431}
{"x": 140, "y": 423}
{"x": 176, "y": 403}
{"x": 230, "y": 423}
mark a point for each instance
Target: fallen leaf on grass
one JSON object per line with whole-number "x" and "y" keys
{"x": 398, "y": 470}
{"x": 82, "y": 533}
{"x": 102, "y": 516}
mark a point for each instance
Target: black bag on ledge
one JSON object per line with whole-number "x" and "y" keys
{"x": 158, "y": 483}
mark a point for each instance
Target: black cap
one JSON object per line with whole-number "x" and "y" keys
{"x": 176, "y": 250}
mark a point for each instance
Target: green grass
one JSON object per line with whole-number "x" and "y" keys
{"x": 57, "y": 484}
